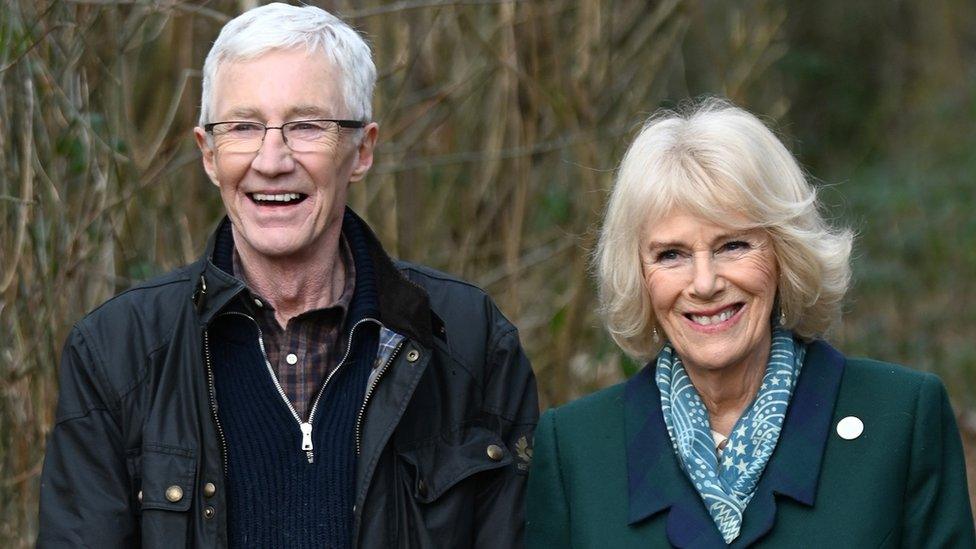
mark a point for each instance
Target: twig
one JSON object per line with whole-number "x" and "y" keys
{"x": 16, "y": 199}
{"x": 532, "y": 258}
{"x": 407, "y": 5}
{"x": 31, "y": 47}
{"x": 171, "y": 112}
{"x": 26, "y": 475}
{"x": 179, "y": 6}
{"x": 26, "y": 184}
{"x": 499, "y": 154}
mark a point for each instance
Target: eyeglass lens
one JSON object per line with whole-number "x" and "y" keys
{"x": 300, "y": 136}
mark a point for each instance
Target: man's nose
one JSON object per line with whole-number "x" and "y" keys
{"x": 706, "y": 281}
{"x": 274, "y": 156}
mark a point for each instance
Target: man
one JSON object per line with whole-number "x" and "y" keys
{"x": 295, "y": 387}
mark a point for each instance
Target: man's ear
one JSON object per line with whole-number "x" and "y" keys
{"x": 364, "y": 153}
{"x": 207, "y": 153}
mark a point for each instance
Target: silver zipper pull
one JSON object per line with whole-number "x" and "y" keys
{"x": 306, "y": 436}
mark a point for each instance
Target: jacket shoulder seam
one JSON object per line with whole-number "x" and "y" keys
{"x": 98, "y": 363}
{"x": 80, "y": 414}
{"x": 150, "y": 285}
{"x": 143, "y": 371}
{"x": 428, "y": 272}
{"x": 502, "y": 334}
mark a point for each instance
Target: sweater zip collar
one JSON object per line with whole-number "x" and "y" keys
{"x": 404, "y": 307}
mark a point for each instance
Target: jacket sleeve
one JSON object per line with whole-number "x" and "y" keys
{"x": 547, "y": 512}
{"x": 510, "y": 395}
{"x": 937, "y": 507}
{"x": 85, "y": 494}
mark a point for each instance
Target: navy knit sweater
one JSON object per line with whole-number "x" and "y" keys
{"x": 275, "y": 496}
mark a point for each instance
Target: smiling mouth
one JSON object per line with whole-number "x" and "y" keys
{"x": 277, "y": 199}
{"x": 718, "y": 318}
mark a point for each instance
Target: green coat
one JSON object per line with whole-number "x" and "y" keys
{"x": 604, "y": 473}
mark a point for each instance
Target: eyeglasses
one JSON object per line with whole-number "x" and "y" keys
{"x": 300, "y": 135}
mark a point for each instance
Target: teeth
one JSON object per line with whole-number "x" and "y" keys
{"x": 286, "y": 197}
{"x": 714, "y": 319}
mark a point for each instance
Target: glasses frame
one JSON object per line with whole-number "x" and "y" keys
{"x": 348, "y": 124}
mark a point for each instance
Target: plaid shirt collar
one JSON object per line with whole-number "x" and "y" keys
{"x": 255, "y": 302}
{"x": 308, "y": 349}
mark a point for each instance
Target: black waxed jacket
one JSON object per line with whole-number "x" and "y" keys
{"x": 135, "y": 456}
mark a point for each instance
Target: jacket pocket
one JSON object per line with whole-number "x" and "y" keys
{"x": 165, "y": 477}
{"x": 439, "y": 485}
{"x": 436, "y": 466}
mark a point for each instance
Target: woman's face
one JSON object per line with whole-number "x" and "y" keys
{"x": 711, "y": 289}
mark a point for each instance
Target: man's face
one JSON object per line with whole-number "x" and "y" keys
{"x": 284, "y": 203}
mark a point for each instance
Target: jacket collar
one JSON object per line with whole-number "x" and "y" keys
{"x": 656, "y": 481}
{"x": 404, "y": 307}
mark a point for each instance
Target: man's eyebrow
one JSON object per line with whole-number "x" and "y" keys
{"x": 247, "y": 113}
{"x": 308, "y": 110}
{"x": 253, "y": 113}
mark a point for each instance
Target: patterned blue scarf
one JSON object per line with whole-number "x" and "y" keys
{"x": 727, "y": 487}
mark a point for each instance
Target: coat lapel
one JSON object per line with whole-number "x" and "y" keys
{"x": 656, "y": 482}
{"x": 794, "y": 468}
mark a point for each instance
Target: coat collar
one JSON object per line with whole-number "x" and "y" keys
{"x": 656, "y": 481}
{"x": 404, "y": 307}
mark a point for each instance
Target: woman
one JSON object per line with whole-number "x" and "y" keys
{"x": 746, "y": 427}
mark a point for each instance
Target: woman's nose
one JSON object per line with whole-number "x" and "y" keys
{"x": 705, "y": 279}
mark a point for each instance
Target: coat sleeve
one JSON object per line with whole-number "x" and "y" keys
{"x": 547, "y": 510}
{"x": 510, "y": 395}
{"x": 937, "y": 507}
{"x": 84, "y": 494}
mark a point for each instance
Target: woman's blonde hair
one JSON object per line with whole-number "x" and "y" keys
{"x": 714, "y": 160}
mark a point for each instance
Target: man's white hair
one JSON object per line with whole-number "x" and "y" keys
{"x": 279, "y": 26}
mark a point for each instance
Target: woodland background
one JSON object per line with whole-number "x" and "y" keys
{"x": 501, "y": 125}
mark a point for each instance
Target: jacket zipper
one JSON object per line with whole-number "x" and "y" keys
{"x": 304, "y": 426}
{"x": 213, "y": 400}
{"x": 211, "y": 391}
{"x": 369, "y": 394}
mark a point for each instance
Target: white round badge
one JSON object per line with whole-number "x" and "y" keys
{"x": 850, "y": 428}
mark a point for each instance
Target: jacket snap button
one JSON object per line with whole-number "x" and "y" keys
{"x": 495, "y": 452}
{"x": 174, "y": 494}
{"x": 139, "y": 496}
{"x": 422, "y": 488}
{"x": 208, "y": 512}
{"x": 209, "y": 489}
{"x": 413, "y": 355}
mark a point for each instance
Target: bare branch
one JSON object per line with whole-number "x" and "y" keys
{"x": 407, "y": 5}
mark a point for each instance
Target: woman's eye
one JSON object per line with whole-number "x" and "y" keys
{"x": 667, "y": 255}
{"x": 735, "y": 246}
